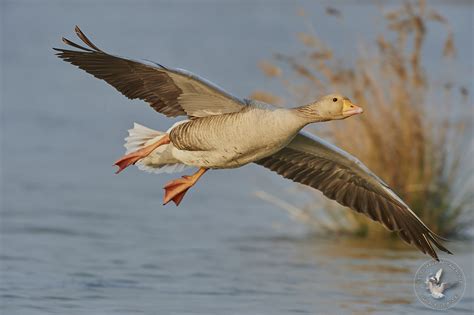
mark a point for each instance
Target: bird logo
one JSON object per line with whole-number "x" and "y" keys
{"x": 439, "y": 284}
{"x": 436, "y": 287}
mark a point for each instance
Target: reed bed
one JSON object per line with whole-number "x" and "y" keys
{"x": 416, "y": 131}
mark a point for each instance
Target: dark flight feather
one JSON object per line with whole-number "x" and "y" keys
{"x": 339, "y": 176}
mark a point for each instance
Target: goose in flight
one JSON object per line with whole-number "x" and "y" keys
{"x": 436, "y": 287}
{"x": 223, "y": 131}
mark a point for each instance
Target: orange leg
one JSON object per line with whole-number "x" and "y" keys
{"x": 133, "y": 157}
{"x": 176, "y": 189}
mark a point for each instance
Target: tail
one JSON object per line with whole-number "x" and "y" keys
{"x": 160, "y": 162}
{"x": 139, "y": 136}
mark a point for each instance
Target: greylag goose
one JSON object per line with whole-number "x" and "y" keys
{"x": 223, "y": 131}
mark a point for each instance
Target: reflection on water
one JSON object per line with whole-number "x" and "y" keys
{"x": 76, "y": 239}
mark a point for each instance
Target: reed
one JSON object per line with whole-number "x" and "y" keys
{"x": 416, "y": 131}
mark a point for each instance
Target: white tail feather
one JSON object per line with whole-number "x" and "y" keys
{"x": 140, "y": 136}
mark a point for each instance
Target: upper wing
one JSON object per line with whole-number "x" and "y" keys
{"x": 447, "y": 285}
{"x": 172, "y": 92}
{"x": 340, "y": 176}
{"x": 438, "y": 275}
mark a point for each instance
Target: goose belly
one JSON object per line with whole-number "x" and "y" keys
{"x": 232, "y": 154}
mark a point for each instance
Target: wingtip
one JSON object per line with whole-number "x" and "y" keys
{"x": 86, "y": 40}
{"x": 435, "y": 256}
{"x": 79, "y": 32}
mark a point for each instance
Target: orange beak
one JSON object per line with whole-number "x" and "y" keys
{"x": 349, "y": 109}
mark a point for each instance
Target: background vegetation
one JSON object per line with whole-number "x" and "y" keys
{"x": 416, "y": 131}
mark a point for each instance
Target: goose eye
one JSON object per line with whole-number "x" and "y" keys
{"x": 334, "y": 99}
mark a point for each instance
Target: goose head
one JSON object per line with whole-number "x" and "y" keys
{"x": 330, "y": 107}
{"x": 433, "y": 280}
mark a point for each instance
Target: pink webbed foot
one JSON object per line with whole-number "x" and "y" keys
{"x": 176, "y": 189}
{"x": 134, "y": 157}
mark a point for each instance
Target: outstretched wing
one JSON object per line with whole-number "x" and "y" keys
{"x": 438, "y": 275}
{"x": 173, "y": 92}
{"x": 311, "y": 161}
{"x": 447, "y": 285}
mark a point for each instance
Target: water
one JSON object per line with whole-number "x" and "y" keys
{"x": 77, "y": 239}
